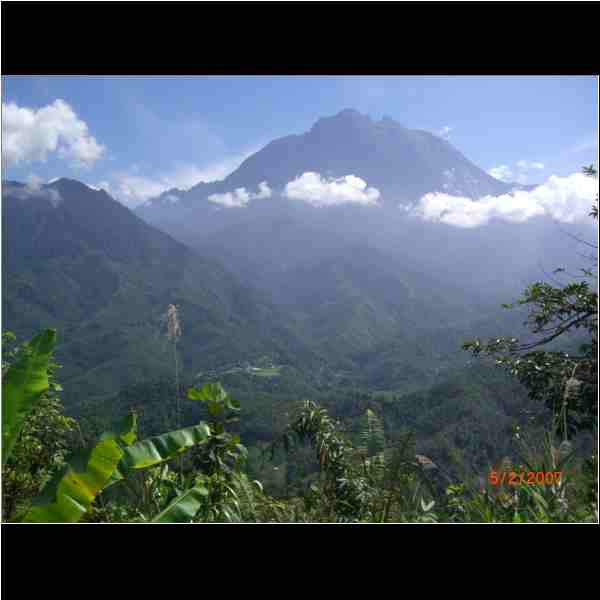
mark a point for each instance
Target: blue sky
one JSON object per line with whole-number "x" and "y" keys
{"x": 137, "y": 136}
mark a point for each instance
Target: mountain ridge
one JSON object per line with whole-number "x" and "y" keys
{"x": 403, "y": 164}
{"x": 77, "y": 260}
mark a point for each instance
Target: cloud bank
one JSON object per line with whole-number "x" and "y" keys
{"x": 33, "y": 190}
{"x": 502, "y": 172}
{"x": 565, "y": 199}
{"x": 312, "y": 188}
{"x": 29, "y": 135}
{"x": 133, "y": 189}
{"x": 519, "y": 173}
{"x": 240, "y": 197}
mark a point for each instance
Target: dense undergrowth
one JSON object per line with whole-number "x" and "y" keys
{"x": 333, "y": 472}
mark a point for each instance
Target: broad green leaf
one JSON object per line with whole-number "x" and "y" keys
{"x": 215, "y": 396}
{"x": 125, "y": 432}
{"x": 184, "y": 508}
{"x": 153, "y": 451}
{"x": 22, "y": 385}
{"x": 77, "y": 489}
{"x": 209, "y": 392}
{"x": 84, "y": 478}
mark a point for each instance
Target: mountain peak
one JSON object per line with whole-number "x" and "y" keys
{"x": 64, "y": 181}
{"x": 350, "y": 115}
{"x": 389, "y": 123}
{"x": 347, "y": 116}
{"x": 350, "y": 112}
{"x": 402, "y": 164}
{"x": 72, "y": 186}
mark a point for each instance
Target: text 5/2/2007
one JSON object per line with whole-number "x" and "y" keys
{"x": 525, "y": 477}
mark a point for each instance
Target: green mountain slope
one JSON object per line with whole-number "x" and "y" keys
{"x": 77, "y": 260}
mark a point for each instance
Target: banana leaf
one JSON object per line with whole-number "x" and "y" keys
{"x": 155, "y": 450}
{"x": 215, "y": 397}
{"x": 208, "y": 392}
{"x": 159, "y": 449}
{"x": 22, "y": 385}
{"x": 77, "y": 490}
{"x": 85, "y": 477}
{"x": 183, "y": 508}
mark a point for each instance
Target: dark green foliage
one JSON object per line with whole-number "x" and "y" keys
{"x": 344, "y": 493}
{"x": 40, "y": 452}
{"x": 92, "y": 269}
{"x": 24, "y": 381}
{"x": 39, "y": 447}
{"x": 207, "y": 486}
{"x": 360, "y": 474}
{"x": 565, "y": 380}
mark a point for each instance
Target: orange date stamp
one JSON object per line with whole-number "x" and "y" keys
{"x": 513, "y": 478}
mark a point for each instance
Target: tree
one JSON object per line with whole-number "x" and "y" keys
{"x": 566, "y": 382}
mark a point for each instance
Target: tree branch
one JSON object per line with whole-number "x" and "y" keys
{"x": 559, "y": 331}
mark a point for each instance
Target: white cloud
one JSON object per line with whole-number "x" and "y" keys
{"x": 528, "y": 165}
{"x": 33, "y": 190}
{"x": 566, "y": 199}
{"x": 235, "y": 199}
{"x": 240, "y": 197}
{"x": 264, "y": 191}
{"x": 503, "y": 173}
{"x": 318, "y": 191}
{"x": 445, "y": 131}
{"x": 29, "y": 135}
{"x": 518, "y": 174}
{"x": 103, "y": 185}
{"x": 133, "y": 189}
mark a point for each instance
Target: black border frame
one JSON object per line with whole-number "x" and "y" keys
{"x": 295, "y": 38}
{"x": 299, "y": 38}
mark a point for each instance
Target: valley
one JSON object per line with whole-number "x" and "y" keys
{"x": 341, "y": 297}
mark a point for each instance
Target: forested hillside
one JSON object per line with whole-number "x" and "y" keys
{"x": 77, "y": 260}
{"x": 221, "y": 355}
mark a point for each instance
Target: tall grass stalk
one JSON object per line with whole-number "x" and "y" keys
{"x": 173, "y": 335}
